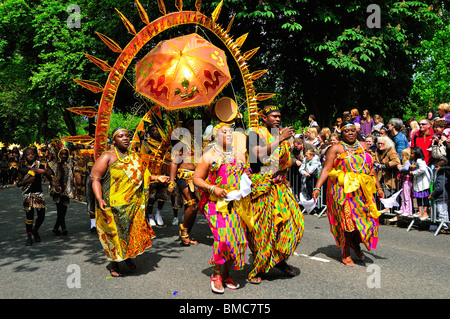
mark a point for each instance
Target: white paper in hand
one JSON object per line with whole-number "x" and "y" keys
{"x": 391, "y": 201}
{"x": 244, "y": 189}
{"x": 309, "y": 205}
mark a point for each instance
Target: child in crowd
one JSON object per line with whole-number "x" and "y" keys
{"x": 440, "y": 196}
{"x": 378, "y": 124}
{"x": 405, "y": 183}
{"x": 422, "y": 181}
{"x": 309, "y": 171}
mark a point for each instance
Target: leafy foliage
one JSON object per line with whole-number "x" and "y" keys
{"x": 321, "y": 55}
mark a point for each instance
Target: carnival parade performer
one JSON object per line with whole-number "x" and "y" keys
{"x": 14, "y": 162}
{"x": 352, "y": 182}
{"x": 30, "y": 179}
{"x": 120, "y": 184}
{"x": 80, "y": 173}
{"x": 278, "y": 221}
{"x": 63, "y": 189}
{"x": 182, "y": 175}
{"x": 219, "y": 172}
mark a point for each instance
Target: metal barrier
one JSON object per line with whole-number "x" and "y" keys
{"x": 295, "y": 183}
{"x": 294, "y": 178}
{"x": 434, "y": 215}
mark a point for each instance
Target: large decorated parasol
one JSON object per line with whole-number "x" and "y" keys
{"x": 182, "y": 72}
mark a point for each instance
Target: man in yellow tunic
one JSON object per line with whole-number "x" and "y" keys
{"x": 120, "y": 184}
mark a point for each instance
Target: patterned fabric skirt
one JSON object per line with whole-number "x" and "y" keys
{"x": 350, "y": 216}
{"x": 278, "y": 227}
{"x": 230, "y": 242}
{"x": 123, "y": 230}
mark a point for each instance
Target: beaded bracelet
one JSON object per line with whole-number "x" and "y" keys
{"x": 317, "y": 189}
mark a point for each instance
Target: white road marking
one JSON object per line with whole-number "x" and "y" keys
{"x": 313, "y": 258}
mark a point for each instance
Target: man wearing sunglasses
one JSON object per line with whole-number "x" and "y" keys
{"x": 423, "y": 138}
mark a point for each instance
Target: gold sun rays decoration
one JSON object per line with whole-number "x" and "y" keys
{"x": 152, "y": 29}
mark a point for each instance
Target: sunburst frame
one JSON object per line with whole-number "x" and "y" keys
{"x": 152, "y": 29}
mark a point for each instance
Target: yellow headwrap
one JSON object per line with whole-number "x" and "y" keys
{"x": 218, "y": 127}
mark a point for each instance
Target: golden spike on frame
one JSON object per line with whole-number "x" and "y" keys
{"x": 240, "y": 41}
{"x": 264, "y": 96}
{"x": 179, "y": 5}
{"x": 198, "y": 4}
{"x": 127, "y": 23}
{"x": 110, "y": 43}
{"x": 257, "y": 74}
{"x": 249, "y": 54}
{"x": 230, "y": 24}
{"x": 216, "y": 12}
{"x": 90, "y": 85}
{"x": 100, "y": 63}
{"x": 162, "y": 7}
{"x": 142, "y": 12}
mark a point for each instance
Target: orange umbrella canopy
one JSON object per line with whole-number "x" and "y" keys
{"x": 182, "y": 72}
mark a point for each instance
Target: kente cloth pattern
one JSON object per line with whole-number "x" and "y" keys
{"x": 348, "y": 211}
{"x": 123, "y": 230}
{"x": 226, "y": 224}
{"x": 278, "y": 221}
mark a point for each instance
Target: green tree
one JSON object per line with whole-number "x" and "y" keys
{"x": 432, "y": 77}
{"x": 322, "y": 57}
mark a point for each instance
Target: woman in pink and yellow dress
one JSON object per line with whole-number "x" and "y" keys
{"x": 219, "y": 172}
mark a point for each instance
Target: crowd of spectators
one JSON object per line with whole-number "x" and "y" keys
{"x": 407, "y": 156}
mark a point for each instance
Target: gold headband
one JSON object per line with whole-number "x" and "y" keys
{"x": 117, "y": 132}
{"x": 347, "y": 126}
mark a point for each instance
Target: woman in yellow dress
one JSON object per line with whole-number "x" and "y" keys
{"x": 120, "y": 184}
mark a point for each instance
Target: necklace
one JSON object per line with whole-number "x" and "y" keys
{"x": 226, "y": 156}
{"x": 125, "y": 160}
{"x": 351, "y": 148}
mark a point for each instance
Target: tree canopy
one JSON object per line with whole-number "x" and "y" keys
{"x": 323, "y": 57}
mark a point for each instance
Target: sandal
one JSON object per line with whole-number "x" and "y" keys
{"x": 348, "y": 261}
{"x": 287, "y": 269}
{"x": 255, "y": 280}
{"x": 185, "y": 239}
{"x": 230, "y": 284}
{"x": 218, "y": 279}
{"x": 114, "y": 271}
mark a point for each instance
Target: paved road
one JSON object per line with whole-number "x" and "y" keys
{"x": 406, "y": 265}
